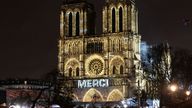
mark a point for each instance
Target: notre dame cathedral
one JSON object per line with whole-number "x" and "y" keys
{"x": 104, "y": 67}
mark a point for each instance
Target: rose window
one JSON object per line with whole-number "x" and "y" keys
{"x": 95, "y": 66}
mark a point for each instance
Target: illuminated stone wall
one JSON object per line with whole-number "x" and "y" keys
{"x": 110, "y": 55}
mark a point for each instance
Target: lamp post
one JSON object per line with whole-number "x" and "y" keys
{"x": 173, "y": 88}
{"x": 187, "y": 94}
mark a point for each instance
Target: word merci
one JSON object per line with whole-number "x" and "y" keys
{"x": 93, "y": 83}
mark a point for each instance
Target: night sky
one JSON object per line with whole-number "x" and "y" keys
{"x": 29, "y": 31}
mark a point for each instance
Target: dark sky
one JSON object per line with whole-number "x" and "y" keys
{"x": 29, "y": 31}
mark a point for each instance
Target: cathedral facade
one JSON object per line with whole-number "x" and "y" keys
{"x": 104, "y": 67}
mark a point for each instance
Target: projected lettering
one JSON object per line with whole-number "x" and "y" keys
{"x": 93, "y": 83}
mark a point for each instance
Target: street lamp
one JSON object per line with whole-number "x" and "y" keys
{"x": 187, "y": 92}
{"x": 173, "y": 88}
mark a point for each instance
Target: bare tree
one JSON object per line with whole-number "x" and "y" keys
{"x": 157, "y": 68}
{"x": 63, "y": 89}
{"x": 181, "y": 66}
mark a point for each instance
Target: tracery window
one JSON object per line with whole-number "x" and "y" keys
{"x": 77, "y": 71}
{"x": 95, "y": 47}
{"x": 114, "y": 69}
{"x": 70, "y": 72}
{"x": 121, "y": 69}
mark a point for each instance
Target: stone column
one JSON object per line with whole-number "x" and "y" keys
{"x": 61, "y": 24}
{"x": 81, "y": 58}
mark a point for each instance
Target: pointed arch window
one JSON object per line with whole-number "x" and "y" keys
{"x": 70, "y": 24}
{"x": 114, "y": 69}
{"x": 113, "y": 20}
{"x": 77, "y": 24}
{"x": 70, "y": 72}
{"x": 77, "y": 71}
{"x": 121, "y": 69}
{"x": 120, "y": 19}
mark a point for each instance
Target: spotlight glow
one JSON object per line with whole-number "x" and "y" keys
{"x": 173, "y": 88}
{"x": 187, "y": 93}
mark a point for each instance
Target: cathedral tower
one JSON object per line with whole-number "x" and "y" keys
{"x": 77, "y": 18}
{"x": 120, "y": 16}
{"x": 105, "y": 67}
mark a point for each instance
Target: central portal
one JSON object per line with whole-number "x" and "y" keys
{"x": 93, "y": 95}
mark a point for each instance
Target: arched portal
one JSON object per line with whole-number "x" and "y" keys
{"x": 92, "y": 95}
{"x": 115, "y": 95}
